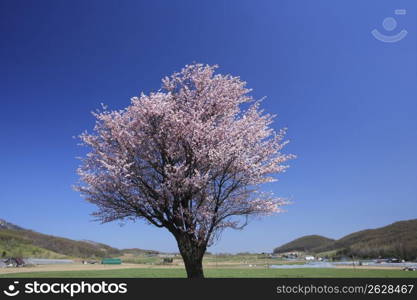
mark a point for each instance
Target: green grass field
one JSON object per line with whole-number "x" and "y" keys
{"x": 218, "y": 273}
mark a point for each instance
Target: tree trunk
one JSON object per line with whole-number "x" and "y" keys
{"x": 193, "y": 266}
{"x": 192, "y": 254}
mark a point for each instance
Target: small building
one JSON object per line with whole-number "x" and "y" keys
{"x": 14, "y": 262}
{"x": 167, "y": 260}
{"x": 111, "y": 261}
{"x": 309, "y": 257}
{"x": 47, "y": 261}
{"x": 290, "y": 255}
{"x": 163, "y": 255}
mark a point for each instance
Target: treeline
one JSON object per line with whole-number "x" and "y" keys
{"x": 406, "y": 251}
{"x": 19, "y": 242}
{"x": 306, "y": 244}
{"x": 11, "y": 240}
{"x": 397, "y": 240}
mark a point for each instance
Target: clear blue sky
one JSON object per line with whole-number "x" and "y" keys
{"x": 349, "y": 101}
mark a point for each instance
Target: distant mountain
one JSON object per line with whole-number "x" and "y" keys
{"x": 396, "y": 240}
{"x": 17, "y": 241}
{"x": 306, "y": 243}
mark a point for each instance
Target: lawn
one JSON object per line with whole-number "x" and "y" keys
{"x": 218, "y": 273}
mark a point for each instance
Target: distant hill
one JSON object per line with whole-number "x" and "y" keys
{"x": 137, "y": 251}
{"x": 396, "y": 240}
{"x": 6, "y": 225}
{"x": 13, "y": 245}
{"x": 17, "y": 241}
{"x": 306, "y": 243}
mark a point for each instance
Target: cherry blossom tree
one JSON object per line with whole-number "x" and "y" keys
{"x": 187, "y": 158}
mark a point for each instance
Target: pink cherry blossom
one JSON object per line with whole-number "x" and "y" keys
{"x": 187, "y": 157}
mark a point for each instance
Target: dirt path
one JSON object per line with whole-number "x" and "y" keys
{"x": 76, "y": 267}
{"x": 81, "y": 267}
{"x": 369, "y": 267}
